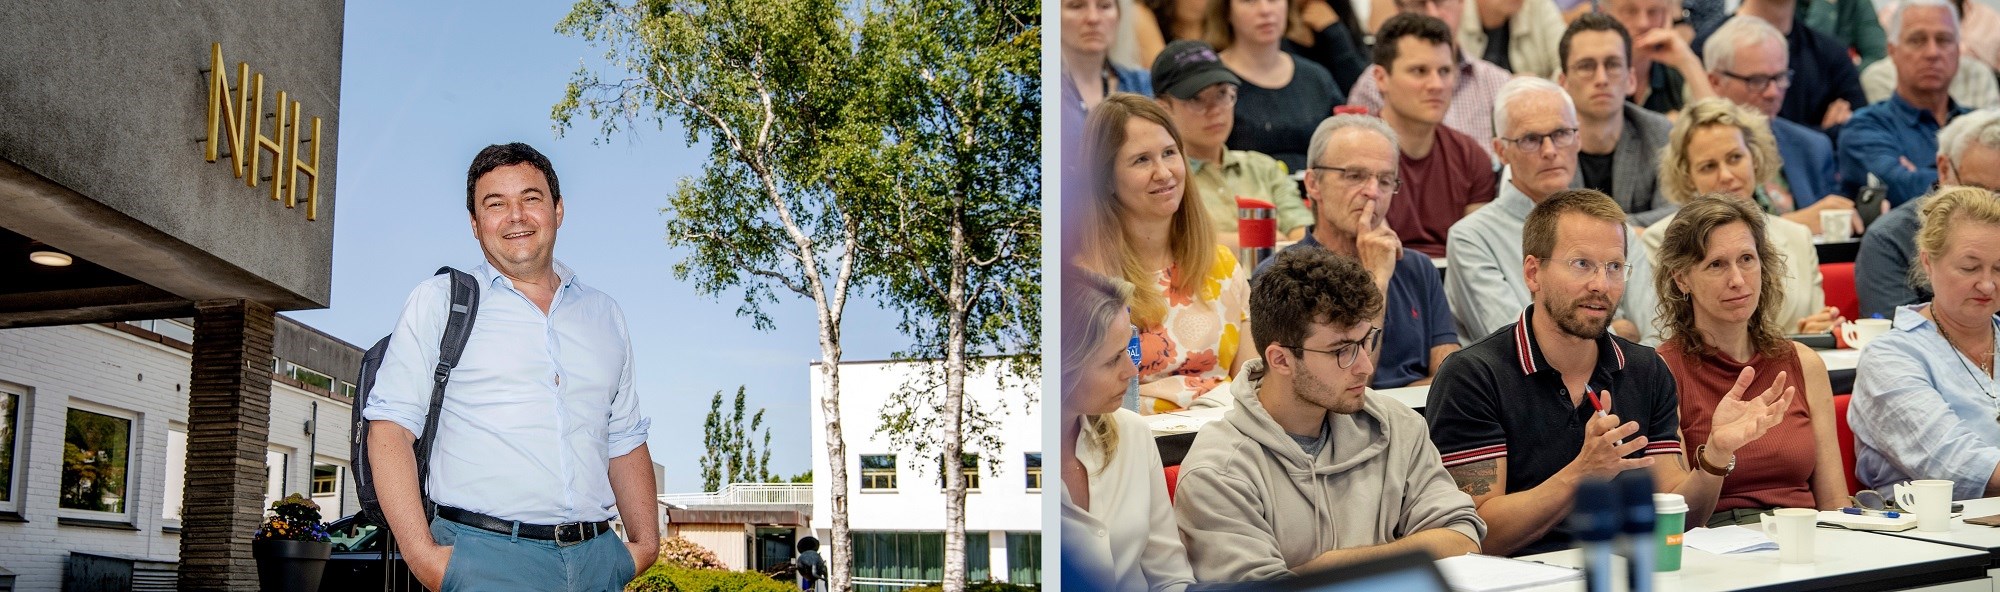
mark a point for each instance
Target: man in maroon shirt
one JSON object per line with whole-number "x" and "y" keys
{"x": 1445, "y": 174}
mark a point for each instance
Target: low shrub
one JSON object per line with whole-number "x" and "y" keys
{"x": 665, "y": 577}
{"x": 689, "y": 554}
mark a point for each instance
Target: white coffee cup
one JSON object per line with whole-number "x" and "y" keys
{"x": 1930, "y": 500}
{"x": 1858, "y": 333}
{"x": 1836, "y": 225}
{"x": 1792, "y": 528}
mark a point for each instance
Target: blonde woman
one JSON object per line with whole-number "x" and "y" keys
{"x": 1190, "y": 299}
{"x": 1925, "y": 403}
{"x": 1118, "y": 526}
{"x": 1720, "y": 147}
{"x": 1719, "y": 281}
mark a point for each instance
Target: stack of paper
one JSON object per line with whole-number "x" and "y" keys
{"x": 1485, "y": 573}
{"x": 1728, "y": 539}
{"x": 1854, "y": 522}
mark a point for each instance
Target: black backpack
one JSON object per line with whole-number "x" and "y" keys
{"x": 458, "y": 327}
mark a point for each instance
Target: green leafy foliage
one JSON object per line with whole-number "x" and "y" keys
{"x": 665, "y": 577}
{"x": 731, "y": 453}
{"x": 294, "y": 518}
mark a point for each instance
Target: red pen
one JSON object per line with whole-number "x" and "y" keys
{"x": 1594, "y": 402}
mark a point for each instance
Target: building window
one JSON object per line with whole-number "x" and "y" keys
{"x": 1034, "y": 463}
{"x": 968, "y": 464}
{"x": 10, "y": 420}
{"x": 1024, "y": 558}
{"x": 97, "y": 451}
{"x": 175, "y": 480}
{"x": 275, "y": 465}
{"x": 328, "y": 481}
{"x": 878, "y": 471}
{"x": 888, "y": 561}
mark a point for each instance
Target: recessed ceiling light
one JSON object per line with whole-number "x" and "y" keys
{"x": 50, "y": 258}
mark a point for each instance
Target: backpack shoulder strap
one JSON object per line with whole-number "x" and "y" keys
{"x": 457, "y": 330}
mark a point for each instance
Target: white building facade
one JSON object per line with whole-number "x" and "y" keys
{"x": 896, "y": 505}
{"x": 93, "y": 441}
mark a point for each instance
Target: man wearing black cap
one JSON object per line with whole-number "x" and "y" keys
{"x": 1200, "y": 94}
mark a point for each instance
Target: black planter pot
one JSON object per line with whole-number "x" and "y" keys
{"x": 290, "y": 566}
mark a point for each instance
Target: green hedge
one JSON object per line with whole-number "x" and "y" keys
{"x": 671, "y": 578}
{"x": 980, "y": 587}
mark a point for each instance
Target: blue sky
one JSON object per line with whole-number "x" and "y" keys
{"x": 424, "y": 86}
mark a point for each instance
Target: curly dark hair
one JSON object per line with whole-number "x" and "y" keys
{"x": 1686, "y": 245}
{"x": 500, "y": 155}
{"x": 1304, "y": 287}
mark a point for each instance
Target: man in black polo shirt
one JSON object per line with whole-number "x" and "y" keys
{"x": 1515, "y": 415}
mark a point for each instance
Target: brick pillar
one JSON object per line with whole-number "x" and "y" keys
{"x": 229, "y": 417}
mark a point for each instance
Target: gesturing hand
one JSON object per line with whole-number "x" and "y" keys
{"x": 1605, "y": 446}
{"x": 1742, "y": 417}
{"x": 1376, "y": 244}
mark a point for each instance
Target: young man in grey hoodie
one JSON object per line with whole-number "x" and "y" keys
{"x": 1310, "y": 470}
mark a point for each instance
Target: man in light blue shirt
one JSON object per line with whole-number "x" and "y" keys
{"x": 540, "y": 434}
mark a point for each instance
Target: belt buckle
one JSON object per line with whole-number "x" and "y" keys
{"x": 563, "y": 541}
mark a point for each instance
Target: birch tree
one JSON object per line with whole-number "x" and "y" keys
{"x": 766, "y": 86}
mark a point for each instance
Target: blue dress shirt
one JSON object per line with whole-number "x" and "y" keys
{"x": 537, "y": 407}
{"x": 1920, "y": 411}
{"x": 1808, "y": 162}
{"x": 1881, "y": 133}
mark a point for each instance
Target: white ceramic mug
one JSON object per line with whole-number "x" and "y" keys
{"x": 1930, "y": 500}
{"x": 1858, "y": 333}
{"x": 1792, "y": 528}
{"x": 1836, "y": 225}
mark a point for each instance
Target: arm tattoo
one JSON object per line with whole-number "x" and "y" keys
{"x": 1475, "y": 479}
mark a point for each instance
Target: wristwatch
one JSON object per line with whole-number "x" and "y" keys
{"x": 1701, "y": 459}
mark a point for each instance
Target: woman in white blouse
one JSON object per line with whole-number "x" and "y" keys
{"x": 1118, "y": 525}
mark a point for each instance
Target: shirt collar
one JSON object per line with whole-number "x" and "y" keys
{"x": 493, "y": 277}
{"x": 1511, "y": 200}
{"x": 1909, "y": 111}
{"x": 1231, "y": 159}
{"x": 1532, "y": 360}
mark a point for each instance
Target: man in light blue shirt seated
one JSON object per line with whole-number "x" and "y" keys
{"x": 540, "y": 435}
{"x": 1896, "y": 139}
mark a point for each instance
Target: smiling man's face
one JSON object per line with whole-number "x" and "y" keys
{"x": 515, "y": 219}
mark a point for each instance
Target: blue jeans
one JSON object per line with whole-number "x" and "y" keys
{"x": 483, "y": 560}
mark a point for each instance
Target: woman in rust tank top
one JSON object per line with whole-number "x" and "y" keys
{"x": 1720, "y": 284}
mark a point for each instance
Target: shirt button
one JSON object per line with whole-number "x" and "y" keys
{"x": 558, "y": 380}
{"x": 1100, "y": 532}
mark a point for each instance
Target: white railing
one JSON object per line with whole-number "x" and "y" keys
{"x": 891, "y": 583}
{"x": 745, "y": 493}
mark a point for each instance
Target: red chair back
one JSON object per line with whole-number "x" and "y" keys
{"x": 1846, "y": 436}
{"x": 1173, "y": 474}
{"x": 1837, "y": 280}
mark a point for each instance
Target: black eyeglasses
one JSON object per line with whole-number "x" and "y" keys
{"x": 1346, "y": 353}
{"x": 1760, "y": 82}
{"x": 1355, "y": 176}
{"x": 1563, "y": 138}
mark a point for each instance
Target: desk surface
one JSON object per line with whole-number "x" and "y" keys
{"x": 1846, "y": 560}
{"x": 1971, "y": 536}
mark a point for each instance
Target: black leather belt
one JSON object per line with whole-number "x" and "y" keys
{"x": 570, "y": 533}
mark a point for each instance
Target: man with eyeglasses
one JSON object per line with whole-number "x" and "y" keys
{"x": 1826, "y": 87}
{"x": 1969, "y": 154}
{"x": 1620, "y": 141}
{"x": 1747, "y": 63}
{"x": 1446, "y": 174}
{"x": 1483, "y": 279}
{"x": 1199, "y": 93}
{"x": 1469, "y": 82}
{"x": 1310, "y": 469}
{"x": 1896, "y": 140}
{"x": 1352, "y": 182}
{"x": 1553, "y": 399}
{"x": 1973, "y": 87}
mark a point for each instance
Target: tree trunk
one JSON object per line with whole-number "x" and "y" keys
{"x": 954, "y": 408}
{"x": 839, "y": 550}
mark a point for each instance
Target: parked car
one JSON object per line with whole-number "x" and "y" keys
{"x": 356, "y": 562}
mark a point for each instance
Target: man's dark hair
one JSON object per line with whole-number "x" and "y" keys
{"x": 1304, "y": 287}
{"x": 1409, "y": 24}
{"x": 500, "y": 155}
{"x": 1593, "y": 21}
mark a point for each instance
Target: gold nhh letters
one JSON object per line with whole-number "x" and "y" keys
{"x": 237, "y": 118}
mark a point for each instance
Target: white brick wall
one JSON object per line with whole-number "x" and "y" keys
{"x": 149, "y": 381}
